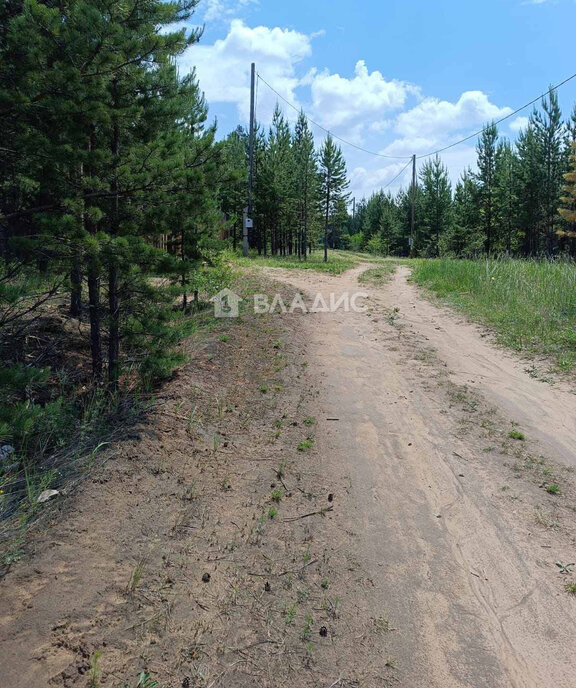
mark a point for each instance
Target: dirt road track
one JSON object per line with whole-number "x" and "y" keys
{"x": 462, "y": 570}
{"x": 548, "y": 411}
{"x": 434, "y": 566}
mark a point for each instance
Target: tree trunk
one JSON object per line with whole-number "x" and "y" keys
{"x": 113, "y": 293}
{"x": 94, "y": 310}
{"x": 326, "y": 223}
{"x": 76, "y": 287}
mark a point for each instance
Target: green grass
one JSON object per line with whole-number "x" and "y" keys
{"x": 338, "y": 261}
{"x": 515, "y": 435}
{"x": 381, "y": 275}
{"x": 306, "y": 444}
{"x": 530, "y": 305}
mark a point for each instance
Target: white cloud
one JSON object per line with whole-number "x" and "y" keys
{"x": 380, "y": 125}
{"x": 222, "y": 10}
{"x": 434, "y": 118}
{"x": 365, "y": 180}
{"x": 339, "y": 101}
{"x": 224, "y": 67}
{"x": 388, "y": 116}
{"x": 518, "y": 124}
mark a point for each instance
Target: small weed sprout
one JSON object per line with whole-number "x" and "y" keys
{"x": 553, "y": 488}
{"x": 94, "y": 675}
{"x": 290, "y": 614}
{"x": 516, "y": 435}
{"x": 309, "y": 421}
{"x": 192, "y": 419}
{"x": 272, "y": 512}
{"x": 281, "y": 470}
{"x": 306, "y": 444}
{"x": 136, "y": 576}
{"x": 307, "y": 630}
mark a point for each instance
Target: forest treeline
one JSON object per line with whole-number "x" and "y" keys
{"x": 520, "y": 200}
{"x": 110, "y": 221}
{"x": 300, "y": 192}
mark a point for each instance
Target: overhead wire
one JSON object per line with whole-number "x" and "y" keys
{"x": 498, "y": 121}
{"x": 425, "y": 155}
{"x": 398, "y": 175}
{"x": 327, "y": 131}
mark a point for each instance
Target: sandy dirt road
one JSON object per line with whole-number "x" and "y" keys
{"x": 411, "y": 541}
{"x": 456, "y": 558}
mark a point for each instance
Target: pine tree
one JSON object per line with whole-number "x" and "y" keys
{"x": 550, "y": 133}
{"x": 436, "y": 204}
{"x": 334, "y": 183}
{"x": 568, "y": 209}
{"x": 306, "y": 182}
{"x": 466, "y": 239}
{"x": 277, "y": 185}
{"x": 506, "y": 197}
{"x": 530, "y": 184}
{"x": 233, "y": 182}
{"x": 486, "y": 178}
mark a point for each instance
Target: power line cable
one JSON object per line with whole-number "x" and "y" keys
{"x": 498, "y": 121}
{"x": 426, "y": 155}
{"x": 327, "y": 131}
{"x": 398, "y": 175}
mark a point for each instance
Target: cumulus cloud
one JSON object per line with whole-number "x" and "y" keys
{"x": 433, "y": 117}
{"x": 518, "y": 124}
{"x": 224, "y": 67}
{"x": 365, "y": 180}
{"x": 339, "y": 101}
{"x": 385, "y": 115}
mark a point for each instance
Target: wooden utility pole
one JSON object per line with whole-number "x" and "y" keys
{"x": 412, "y": 209}
{"x": 248, "y": 215}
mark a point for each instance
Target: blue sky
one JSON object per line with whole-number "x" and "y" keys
{"x": 392, "y": 76}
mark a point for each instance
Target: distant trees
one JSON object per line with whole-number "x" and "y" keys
{"x": 486, "y": 179}
{"x": 519, "y": 200}
{"x": 333, "y": 186}
{"x": 437, "y": 208}
{"x": 300, "y": 194}
{"x": 568, "y": 209}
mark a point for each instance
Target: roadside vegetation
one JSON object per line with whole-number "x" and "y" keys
{"x": 530, "y": 305}
{"x": 338, "y": 262}
{"x": 379, "y": 276}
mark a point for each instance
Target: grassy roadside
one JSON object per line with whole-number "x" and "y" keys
{"x": 95, "y": 417}
{"x": 530, "y": 305}
{"x": 338, "y": 261}
{"x": 377, "y": 277}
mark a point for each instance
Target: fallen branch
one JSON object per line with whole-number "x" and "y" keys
{"x": 314, "y": 561}
{"x": 312, "y": 513}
